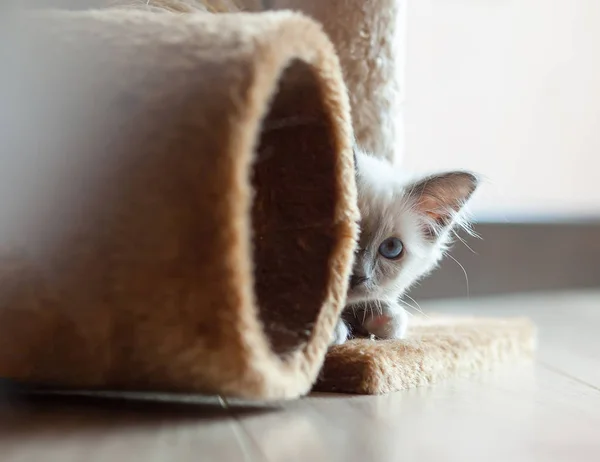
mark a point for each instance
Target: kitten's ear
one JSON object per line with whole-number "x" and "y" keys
{"x": 441, "y": 197}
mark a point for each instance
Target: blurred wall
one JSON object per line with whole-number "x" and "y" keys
{"x": 511, "y": 89}
{"x": 521, "y": 257}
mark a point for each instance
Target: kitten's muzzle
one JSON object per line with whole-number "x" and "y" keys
{"x": 356, "y": 281}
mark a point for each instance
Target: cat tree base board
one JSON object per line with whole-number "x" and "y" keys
{"x": 437, "y": 348}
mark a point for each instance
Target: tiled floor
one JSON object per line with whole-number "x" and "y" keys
{"x": 547, "y": 411}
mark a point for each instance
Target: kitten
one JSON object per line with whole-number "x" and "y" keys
{"x": 405, "y": 229}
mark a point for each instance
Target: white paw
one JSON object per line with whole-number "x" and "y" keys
{"x": 390, "y": 325}
{"x": 340, "y": 334}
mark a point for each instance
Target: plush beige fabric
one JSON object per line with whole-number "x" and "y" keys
{"x": 186, "y": 6}
{"x": 194, "y": 225}
{"x": 370, "y": 40}
{"x": 437, "y": 348}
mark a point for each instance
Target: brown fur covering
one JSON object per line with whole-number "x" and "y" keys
{"x": 436, "y": 349}
{"x": 369, "y": 39}
{"x": 186, "y": 6}
{"x": 203, "y": 238}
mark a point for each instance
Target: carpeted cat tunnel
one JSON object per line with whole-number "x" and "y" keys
{"x": 179, "y": 213}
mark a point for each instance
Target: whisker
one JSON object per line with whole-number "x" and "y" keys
{"x": 457, "y": 236}
{"x": 405, "y": 303}
{"x": 415, "y": 302}
{"x": 465, "y": 273}
{"x": 379, "y": 307}
{"x": 408, "y": 305}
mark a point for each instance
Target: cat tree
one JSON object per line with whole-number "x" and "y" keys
{"x": 190, "y": 221}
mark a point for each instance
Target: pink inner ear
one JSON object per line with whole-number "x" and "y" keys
{"x": 430, "y": 207}
{"x": 434, "y": 216}
{"x": 438, "y": 197}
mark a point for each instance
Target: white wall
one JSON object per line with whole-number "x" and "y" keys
{"x": 511, "y": 89}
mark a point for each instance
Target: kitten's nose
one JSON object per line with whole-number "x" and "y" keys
{"x": 355, "y": 280}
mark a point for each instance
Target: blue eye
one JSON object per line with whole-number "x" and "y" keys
{"x": 391, "y": 248}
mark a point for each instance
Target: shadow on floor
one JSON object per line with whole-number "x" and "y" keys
{"x": 27, "y": 410}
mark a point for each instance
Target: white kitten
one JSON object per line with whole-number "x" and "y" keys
{"x": 406, "y": 226}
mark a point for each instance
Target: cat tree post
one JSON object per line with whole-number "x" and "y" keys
{"x": 370, "y": 38}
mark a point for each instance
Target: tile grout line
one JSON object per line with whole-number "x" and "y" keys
{"x": 565, "y": 374}
{"x": 242, "y": 436}
{"x": 248, "y": 436}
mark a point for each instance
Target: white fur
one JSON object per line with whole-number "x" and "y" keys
{"x": 391, "y": 207}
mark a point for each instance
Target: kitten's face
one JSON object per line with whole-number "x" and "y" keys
{"x": 405, "y": 227}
